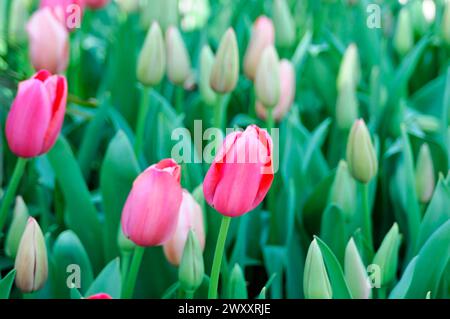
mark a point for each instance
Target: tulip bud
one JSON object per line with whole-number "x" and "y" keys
{"x": 287, "y": 93}
{"x": 191, "y": 271}
{"x": 343, "y": 191}
{"x": 18, "y": 224}
{"x": 424, "y": 174}
{"x": 361, "y": 158}
{"x": 225, "y": 70}
{"x": 349, "y": 72}
{"x": 44, "y": 97}
{"x": 190, "y": 218}
{"x": 150, "y": 214}
{"x": 418, "y": 20}
{"x": 178, "y": 63}
{"x": 237, "y": 287}
{"x": 403, "y": 37}
{"x": 168, "y": 16}
{"x": 355, "y": 273}
{"x": 125, "y": 245}
{"x": 284, "y": 24}
{"x": 243, "y": 165}
{"x": 387, "y": 255}
{"x": 151, "y": 63}
{"x": 48, "y": 42}
{"x": 96, "y": 4}
{"x": 31, "y": 260}
{"x": 316, "y": 284}
{"x": 446, "y": 24}
{"x": 206, "y": 64}
{"x": 267, "y": 82}
{"x": 18, "y": 17}
{"x": 101, "y": 295}
{"x": 263, "y": 35}
{"x": 346, "y": 107}
{"x": 128, "y": 6}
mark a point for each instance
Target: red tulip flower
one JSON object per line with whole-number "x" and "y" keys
{"x": 37, "y": 114}
{"x": 150, "y": 214}
{"x": 241, "y": 174}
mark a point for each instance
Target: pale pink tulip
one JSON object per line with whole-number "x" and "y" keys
{"x": 241, "y": 174}
{"x": 263, "y": 35}
{"x": 150, "y": 214}
{"x": 191, "y": 217}
{"x": 287, "y": 93}
{"x": 48, "y": 42}
{"x": 68, "y": 12}
{"x": 37, "y": 114}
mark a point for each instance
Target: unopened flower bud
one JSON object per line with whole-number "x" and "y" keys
{"x": 267, "y": 79}
{"x": 178, "y": 61}
{"x": 346, "y": 107}
{"x": 446, "y": 24}
{"x": 237, "y": 287}
{"x": 424, "y": 174}
{"x": 355, "y": 273}
{"x": 206, "y": 63}
{"x": 31, "y": 260}
{"x": 18, "y": 224}
{"x": 404, "y": 36}
{"x": 191, "y": 271}
{"x": 225, "y": 70}
{"x": 361, "y": 157}
{"x": 343, "y": 191}
{"x": 349, "y": 71}
{"x": 151, "y": 63}
{"x": 387, "y": 255}
{"x": 284, "y": 24}
{"x": 316, "y": 284}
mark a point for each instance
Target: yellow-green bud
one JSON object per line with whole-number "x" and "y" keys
{"x": 343, "y": 191}
{"x": 387, "y": 255}
{"x": 349, "y": 71}
{"x": 316, "y": 284}
{"x": 191, "y": 271}
{"x": 178, "y": 61}
{"x": 151, "y": 63}
{"x": 125, "y": 244}
{"x": 237, "y": 288}
{"x": 284, "y": 24}
{"x": 17, "y": 228}
{"x": 361, "y": 157}
{"x": 424, "y": 174}
{"x": 31, "y": 261}
{"x": 404, "y": 36}
{"x": 446, "y": 23}
{"x": 225, "y": 70}
{"x": 267, "y": 81}
{"x": 346, "y": 107}
{"x": 355, "y": 273}
{"x": 206, "y": 63}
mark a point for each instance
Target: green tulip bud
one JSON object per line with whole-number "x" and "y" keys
{"x": 424, "y": 174}
{"x": 403, "y": 37}
{"x": 237, "y": 288}
{"x": 267, "y": 81}
{"x": 152, "y": 58}
{"x": 343, "y": 191}
{"x": 191, "y": 271}
{"x": 361, "y": 158}
{"x": 31, "y": 261}
{"x": 125, "y": 244}
{"x": 350, "y": 70}
{"x": 316, "y": 284}
{"x": 284, "y": 24}
{"x": 428, "y": 123}
{"x": 346, "y": 107}
{"x": 206, "y": 64}
{"x": 225, "y": 70}
{"x": 18, "y": 224}
{"x": 178, "y": 61}
{"x": 18, "y": 18}
{"x": 446, "y": 24}
{"x": 355, "y": 273}
{"x": 387, "y": 255}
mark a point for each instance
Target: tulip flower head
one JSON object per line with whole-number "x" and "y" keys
{"x": 424, "y": 174}
{"x": 150, "y": 214}
{"x": 192, "y": 268}
{"x": 152, "y": 58}
{"x": 267, "y": 78}
{"x": 101, "y": 295}
{"x": 241, "y": 173}
{"x": 178, "y": 61}
{"x": 37, "y": 114}
{"x": 190, "y": 217}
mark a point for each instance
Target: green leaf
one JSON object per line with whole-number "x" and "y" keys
{"x": 75, "y": 294}
{"x": 332, "y": 230}
{"x": 81, "y": 215}
{"x": 108, "y": 281}
{"x": 401, "y": 288}
{"x": 6, "y": 284}
{"x": 274, "y": 261}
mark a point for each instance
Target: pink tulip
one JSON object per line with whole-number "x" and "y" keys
{"x": 68, "y": 12}
{"x": 37, "y": 114}
{"x": 150, "y": 214}
{"x": 241, "y": 174}
{"x": 191, "y": 217}
{"x": 96, "y": 4}
{"x": 287, "y": 93}
{"x": 49, "y": 42}
{"x": 101, "y": 295}
{"x": 263, "y": 35}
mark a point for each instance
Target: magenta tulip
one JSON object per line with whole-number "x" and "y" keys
{"x": 96, "y": 4}
{"x": 241, "y": 174}
{"x": 100, "y": 295}
{"x": 191, "y": 217}
{"x": 49, "y": 42}
{"x": 37, "y": 114}
{"x": 150, "y": 214}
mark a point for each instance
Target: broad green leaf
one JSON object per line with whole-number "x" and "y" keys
{"x": 401, "y": 288}
{"x": 108, "y": 281}
{"x": 6, "y": 284}
{"x": 274, "y": 261}
{"x": 332, "y": 231}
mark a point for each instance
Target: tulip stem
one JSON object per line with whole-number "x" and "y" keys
{"x": 367, "y": 222}
{"x": 217, "y": 261}
{"x": 130, "y": 281}
{"x": 179, "y": 99}
{"x": 142, "y": 116}
{"x": 219, "y": 111}
{"x": 11, "y": 191}
{"x": 189, "y": 294}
